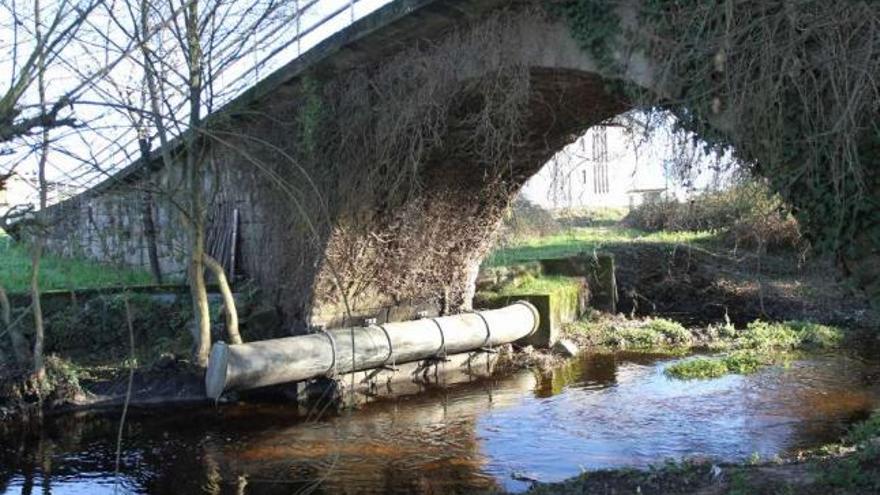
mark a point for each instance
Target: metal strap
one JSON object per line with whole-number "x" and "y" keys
{"x": 488, "y": 330}
{"x": 388, "y": 338}
{"x": 331, "y": 371}
{"x": 442, "y": 348}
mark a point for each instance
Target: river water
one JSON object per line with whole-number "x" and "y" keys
{"x": 601, "y": 411}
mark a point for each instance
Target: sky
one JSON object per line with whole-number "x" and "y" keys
{"x": 106, "y": 141}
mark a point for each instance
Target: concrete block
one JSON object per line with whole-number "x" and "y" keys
{"x": 565, "y": 347}
{"x": 554, "y": 309}
{"x": 603, "y": 281}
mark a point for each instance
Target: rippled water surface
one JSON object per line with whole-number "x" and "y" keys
{"x": 601, "y": 411}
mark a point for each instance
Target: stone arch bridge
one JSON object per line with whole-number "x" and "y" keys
{"x": 306, "y": 231}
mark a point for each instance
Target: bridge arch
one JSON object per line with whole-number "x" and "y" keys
{"x": 423, "y": 251}
{"x": 373, "y": 173}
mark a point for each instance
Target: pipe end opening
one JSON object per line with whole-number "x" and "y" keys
{"x": 215, "y": 377}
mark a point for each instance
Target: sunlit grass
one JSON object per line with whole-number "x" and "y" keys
{"x": 586, "y": 239}
{"x": 738, "y": 363}
{"x": 649, "y": 334}
{"x": 61, "y": 273}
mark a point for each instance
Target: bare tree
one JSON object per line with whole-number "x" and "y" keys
{"x": 185, "y": 47}
{"x": 31, "y": 51}
{"x": 40, "y": 234}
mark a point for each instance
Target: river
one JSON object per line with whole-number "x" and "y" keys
{"x": 599, "y": 411}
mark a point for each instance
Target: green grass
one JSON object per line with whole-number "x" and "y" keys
{"x": 61, "y": 273}
{"x": 760, "y": 344}
{"x": 865, "y": 431}
{"x": 585, "y": 239}
{"x": 740, "y": 363}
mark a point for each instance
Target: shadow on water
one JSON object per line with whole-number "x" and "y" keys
{"x": 604, "y": 410}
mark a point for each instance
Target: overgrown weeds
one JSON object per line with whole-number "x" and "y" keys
{"x": 860, "y": 470}
{"x": 62, "y": 383}
{"x": 760, "y": 344}
{"x": 651, "y": 334}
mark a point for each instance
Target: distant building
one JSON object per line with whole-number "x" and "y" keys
{"x": 21, "y": 190}
{"x": 599, "y": 169}
{"x": 15, "y": 190}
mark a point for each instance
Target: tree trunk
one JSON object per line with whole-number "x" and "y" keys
{"x": 19, "y": 344}
{"x": 37, "y": 253}
{"x": 150, "y": 237}
{"x": 229, "y": 309}
{"x": 196, "y": 185}
{"x": 149, "y": 224}
{"x": 39, "y": 330}
{"x": 201, "y": 311}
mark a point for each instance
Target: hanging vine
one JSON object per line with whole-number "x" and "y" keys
{"x": 794, "y": 86}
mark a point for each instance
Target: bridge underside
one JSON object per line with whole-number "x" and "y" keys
{"x": 354, "y": 222}
{"x": 494, "y": 98}
{"x": 425, "y": 253}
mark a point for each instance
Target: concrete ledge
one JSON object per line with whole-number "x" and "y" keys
{"x": 598, "y": 289}
{"x": 555, "y": 309}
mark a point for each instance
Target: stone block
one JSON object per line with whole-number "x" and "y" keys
{"x": 565, "y": 347}
{"x": 555, "y": 309}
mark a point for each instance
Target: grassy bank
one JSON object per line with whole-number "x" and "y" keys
{"x": 61, "y": 273}
{"x": 700, "y": 276}
{"x": 586, "y": 239}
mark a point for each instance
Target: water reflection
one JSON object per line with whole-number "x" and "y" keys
{"x": 602, "y": 411}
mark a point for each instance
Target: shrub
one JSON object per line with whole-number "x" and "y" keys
{"x": 589, "y": 216}
{"x": 747, "y": 214}
{"x": 526, "y": 220}
{"x": 817, "y": 335}
{"x": 652, "y": 333}
{"x": 673, "y": 332}
{"x": 697, "y": 368}
{"x": 635, "y": 338}
{"x": 762, "y": 335}
{"x": 865, "y": 431}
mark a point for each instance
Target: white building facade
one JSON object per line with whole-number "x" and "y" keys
{"x": 602, "y": 168}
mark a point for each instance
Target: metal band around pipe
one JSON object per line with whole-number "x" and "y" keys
{"x": 488, "y": 330}
{"x": 388, "y": 338}
{"x": 442, "y": 339}
{"x": 332, "y": 369}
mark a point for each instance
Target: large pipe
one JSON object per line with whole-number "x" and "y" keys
{"x": 343, "y": 350}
